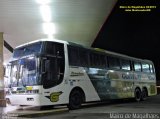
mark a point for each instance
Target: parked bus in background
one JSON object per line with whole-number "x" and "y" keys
{"x": 53, "y": 72}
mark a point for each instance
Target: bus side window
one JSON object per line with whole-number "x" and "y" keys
{"x": 97, "y": 60}
{"x": 73, "y": 56}
{"x": 103, "y": 62}
{"x": 137, "y": 66}
{"x": 113, "y": 62}
{"x": 125, "y": 64}
{"x": 151, "y": 68}
{"x": 92, "y": 60}
{"x": 59, "y": 50}
{"x": 83, "y": 55}
{"x": 145, "y": 67}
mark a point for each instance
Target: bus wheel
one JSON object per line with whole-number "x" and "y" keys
{"x": 144, "y": 94}
{"x": 137, "y": 94}
{"x": 75, "y": 100}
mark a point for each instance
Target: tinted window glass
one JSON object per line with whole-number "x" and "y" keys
{"x": 55, "y": 49}
{"x": 59, "y": 50}
{"x": 97, "y": 60}
{"x": 145, "y": 67}
{"x": 73, "y": 56}
{"x": 50, "y": 77}
{"x": 113, "y": 63}
{"x": 94, "y": 60}
{"x": 137, "y": 66}
{"x": 27, "y": 50}
{"x": 83, "y": 55}
{"x": 151, "y": 69}
{"x": 103, "y": 62}
{"x": 125, "y": 64}
{"x": 50, "y": 48}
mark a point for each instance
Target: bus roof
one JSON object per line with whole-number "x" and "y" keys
{"x": 121, "y": 55}
{"x": 39, "y": 40}
{"x": 95, "y": 49}
{"x": 110, "y": 53}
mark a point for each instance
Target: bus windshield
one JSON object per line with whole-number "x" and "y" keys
{"x": 23, "y": 72}
{"x": 27, "y": 50}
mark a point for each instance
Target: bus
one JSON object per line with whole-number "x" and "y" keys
{"x": 54, "y": 72}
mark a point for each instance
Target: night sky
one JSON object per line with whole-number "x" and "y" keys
{"x": 133, "y": 33}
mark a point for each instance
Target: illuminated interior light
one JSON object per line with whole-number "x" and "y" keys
{"x": 43, "y": 2}
{"x": 46, "y": 13}
{"x": 49, "y": 28}
{"x": 4, "y": 63}
{"x": 111, "y": 71}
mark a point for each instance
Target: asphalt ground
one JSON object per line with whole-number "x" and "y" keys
{"x": 118, "y": 109}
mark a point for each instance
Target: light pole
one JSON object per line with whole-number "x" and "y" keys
{"x": 2, "y": 94}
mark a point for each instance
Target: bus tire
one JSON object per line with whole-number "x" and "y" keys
{"x": 144, "y": 94}
{"x": 137, "y": 94}
{"x": 75, "y": 100}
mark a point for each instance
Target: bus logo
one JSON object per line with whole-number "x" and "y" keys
{"x": 54, "y": 97}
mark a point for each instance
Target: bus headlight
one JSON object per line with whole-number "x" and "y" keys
{"x": 36, "y": 91}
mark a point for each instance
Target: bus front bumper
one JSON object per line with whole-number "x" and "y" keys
{"x": 34, "y": 100}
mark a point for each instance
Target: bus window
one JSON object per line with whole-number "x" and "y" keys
{"x": 151, "y": 69}
{"x": 83, "y": 55}
{"x": 97, "y": 60}
{"x": 145, "y": 67}
{"x": 137, "y": 66}
{"x": 50, "y": 77}
{"x": 54, "y": 49}
{"x": 27, "y": 50}
{"x": 102, "y": 62}
{"x": 94, "y": 60}
{"x": 73, "y": 56}
{"x": 114, "y": 63}
{"x": 59, "y": 50}
{"x": 50, "y": 48}
{"x": 125, "y": 64}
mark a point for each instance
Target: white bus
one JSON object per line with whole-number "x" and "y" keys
{"x": 54, "y": 72}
